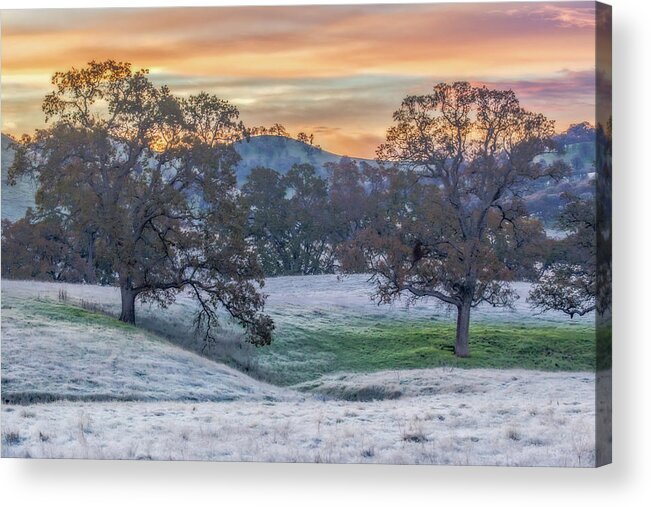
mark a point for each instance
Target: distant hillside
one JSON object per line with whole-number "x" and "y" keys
{"x": 276, "y": 152}
{"x": 545, "y": 200}
{"x": 15, "y": 199}
{"x": 281, "y": 153}
{"x": 577, "y": 133}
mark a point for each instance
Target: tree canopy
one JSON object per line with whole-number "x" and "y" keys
{"x": 454, "y": 224}
{"x": 290, "y": 221}
{"x": 569, "y": 283}
{"x": 142, "y": 183}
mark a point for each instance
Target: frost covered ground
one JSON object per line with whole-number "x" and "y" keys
{"x": 350, "y": 296}
{"x": 82, "y": 385}
{"x": 53, "y": 351}
{"x": 317, "y": 296}
{"x": 511, "y": 418}
{"x": 325, "y": 324}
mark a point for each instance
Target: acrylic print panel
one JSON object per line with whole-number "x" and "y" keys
{"x": 339, "y": 234}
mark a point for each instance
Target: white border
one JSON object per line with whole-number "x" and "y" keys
{"x": 626, "y": 482}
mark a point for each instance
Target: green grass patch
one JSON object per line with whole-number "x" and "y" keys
{"x": 303, "y": 353}
{"x": 70, "y": 314}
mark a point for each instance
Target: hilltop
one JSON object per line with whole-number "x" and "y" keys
{"x": 281, "y": 153}
{"x": 275, "y": 152}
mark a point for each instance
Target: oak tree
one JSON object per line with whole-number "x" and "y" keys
{"x": 569, "y": 283}
{"x": 144, "y": 182}
{"x": 463, "y": 158}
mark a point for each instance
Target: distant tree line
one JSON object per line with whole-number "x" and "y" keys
{"x": 278, "y": 129}
{"x": 299, "y": 222}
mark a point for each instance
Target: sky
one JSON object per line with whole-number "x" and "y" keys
{"x": 336, "y": 71}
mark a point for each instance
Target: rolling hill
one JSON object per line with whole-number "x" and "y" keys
{"x": 281, "y": 153}
{"x": 325, "y": 324}
{"x": 80, "y": 384}
{"x": 52, "y": 350}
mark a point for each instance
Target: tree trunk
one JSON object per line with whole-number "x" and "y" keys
{"x": 90, "y": 261}
{"x": 128, "y": 314}
{"x": 463, "y": 328}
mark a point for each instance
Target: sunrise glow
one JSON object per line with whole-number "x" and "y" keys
{"x": 336, "y": 71}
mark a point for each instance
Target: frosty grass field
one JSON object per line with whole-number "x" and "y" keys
{"x": 354, "y": 382}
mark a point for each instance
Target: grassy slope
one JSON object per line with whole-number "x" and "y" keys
{"x": 53, "y": 351}
{"x": 366, "y": 347}
{"x": 327, "y": 325}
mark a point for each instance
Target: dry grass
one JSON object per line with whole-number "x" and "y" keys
{"x": 531, "y": 421}
{"x": 54, "y": 351}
